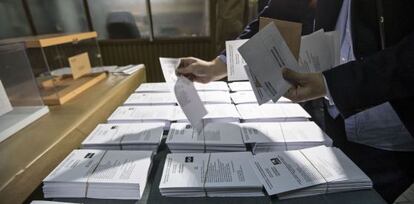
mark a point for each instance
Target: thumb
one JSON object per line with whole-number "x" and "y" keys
{"x": 292, "y": 77}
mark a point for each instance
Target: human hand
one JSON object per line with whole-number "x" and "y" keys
{"x": 305, "y": 86}
{"x": 202, "y": 71}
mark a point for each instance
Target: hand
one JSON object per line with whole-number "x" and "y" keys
{"x": 202, "y": 71}
{"x": 305, "y": 86}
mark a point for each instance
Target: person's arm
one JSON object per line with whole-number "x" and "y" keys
{"x": 292, "y": 10}
{"x": 385, "y": 76}
{"x": 205, "y": 71}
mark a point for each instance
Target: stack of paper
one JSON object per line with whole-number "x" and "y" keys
{"x": 153, "y": 87}
{"x": 240, "y": 86}
{"x": 270, "y": 137}
{"x": 139, "y": 99}
{"x": 143, "y": 114}
{"x": 214, "y": 97}
{"x": 212, "y": 86}
{"x": 209, "y": 174}
{"x": 215, "y": 137}
{"x": 167, "y": 98}
{"x": 247, "y": 97}
{"x": 226, "y": 113}
{"x": 99, "y": 174}
{"x": 272, "y": 112}
{"x": 142, "y": 136}
{"x": 312, "y": 171}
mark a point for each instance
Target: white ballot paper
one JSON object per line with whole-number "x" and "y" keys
{"x": 99, "y": 174}
{"x": 185, "y": 93}
{"x": 272, "y": 112}
{"x": 143, "y": 114}
{"x": 215, "y": 137}
{"x": 235, "y": 62}
{"x": 315, "y": 53}
{"x": 215, "y": 97}
{"x": 155, "y": 98}
{"x": 312, "y": 171}
{"x": 215, "y": 113}
{"x": 282, "y": 136}
{"x": 334, "y": 46}
{"x": 240, "y": 86}
{"x": 209, "y": 174}
{"x": 158, "y": 87}
{"x": 212, "y": 86}
{"x": 5, "y": 105}
{"x": 246, "y": 97}
{"x": 266, "y": 53}
{"x": 133, "y": 136}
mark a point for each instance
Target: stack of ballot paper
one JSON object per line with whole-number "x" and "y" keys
{"x": 214, "y": 97}
{"x": 137, "y": 99}
{"x": 159, "y": 87}
{"x": 312, "y": 171}
{"x": 212, "y": 86}
{"x": 163, "y": 87}
{"x": 144, "y": 114}
{"x": 215, "y": 113}
{"x": 247, "y": 97}
{"x": 99, "y": 174}
{"x": 168, "y": 98}
{"x": 240, "y": 86}
{"x": 209, "y": 174}
{"x": 272, "y": 112}
{"x": 215, "y": 137}
{"x": 270, "y": 137}
{"x": 141, "y": 136}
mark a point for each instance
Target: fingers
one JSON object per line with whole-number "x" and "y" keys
{"x": 186, "y": 61}
{"x": 298, "y": 94}
{"x": 185, "y": 70}
{"x": 293, "y": 77}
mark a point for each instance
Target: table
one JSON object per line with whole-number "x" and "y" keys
{"x": 32, "y": 153}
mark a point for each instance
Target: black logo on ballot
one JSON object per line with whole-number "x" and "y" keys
{"x": 189, "y": 159}
{"x": 275, "y": 161}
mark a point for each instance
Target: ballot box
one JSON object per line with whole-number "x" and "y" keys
{"x": 20, "y": 101}
{"x": 62, "y": 64}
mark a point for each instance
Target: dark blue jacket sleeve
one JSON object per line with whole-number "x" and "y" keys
{"x": 385, "y": 76}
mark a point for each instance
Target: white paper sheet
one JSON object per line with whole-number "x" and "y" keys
{"x": 184, "y": 170}
{"x": 282, "y": 172}
{"x": 235, "y": 62}
{"x": 190, "y": 102}
{"x": 266, "y": 53}
{"x": 240, "y": 86}
{"x": 159, "y": 87}
{"x": 315, "y": 53}
{"x": 5, "y": 105}
{"x": 185, "y": 93}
